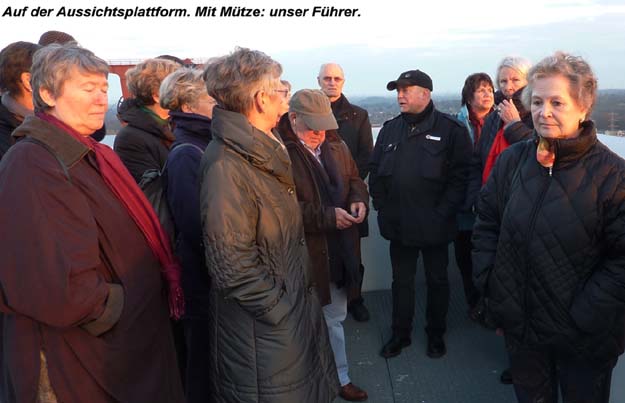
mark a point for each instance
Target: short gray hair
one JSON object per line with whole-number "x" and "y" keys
{"x": 52, "y": 66}
{"x": 582, "y": 80}
{"x": 518, "y": 63}
{"x": 233, "y": 80}
{"x": 182, "y": 87}
{"x": 144, "y": 80}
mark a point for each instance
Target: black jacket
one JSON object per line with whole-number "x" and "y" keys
{"x": 418, "y": 178}
{"x": 333, "y": 253}
{"x": 514, "y": 133}
{"x": 8, "y": 123}
{"x": 549, "y": 248}
{"x": 183, "y": 197}
{"x": 355, "y": 130}
{"x": 143, "y": 144}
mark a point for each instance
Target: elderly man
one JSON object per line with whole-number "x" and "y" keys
{"x": 333, "y": 200}
{"x": 417, "y": 182}
{"x": 355, "y": 130}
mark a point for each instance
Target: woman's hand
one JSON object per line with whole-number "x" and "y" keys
{"x": 508, "y": 112}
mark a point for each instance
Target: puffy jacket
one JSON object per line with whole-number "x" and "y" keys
{"x": 269, "y": 339}
{"x": 549, "y": 247}
{"x": 332, "y": 252}
{"x": 418, "y": 178}
{"x": 144, "y": 143}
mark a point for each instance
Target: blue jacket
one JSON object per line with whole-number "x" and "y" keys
{"x": 184, "y": 202}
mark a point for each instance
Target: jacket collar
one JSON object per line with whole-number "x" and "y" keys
{"x": 69, "y": 150}
{"x": 266, "y": 154}
{"x": 341, "y": 105}
{"x": 568, "y": 151}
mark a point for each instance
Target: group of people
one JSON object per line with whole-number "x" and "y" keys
{"x": 245, "y": 300}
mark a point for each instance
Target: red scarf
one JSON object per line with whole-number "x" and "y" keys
{"x": 499, "y": 145}
{"x": 477, "y": 124}
{"x": 124, "y": 187}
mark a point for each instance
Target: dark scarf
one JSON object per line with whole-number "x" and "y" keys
{"x": 123, "y": 186}
{"x": 416, "y": 118}
{"x": 339, "y": 105}
{"x": 477, "y": 124}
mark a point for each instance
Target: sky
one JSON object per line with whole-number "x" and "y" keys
{"x": 447, "y": 39}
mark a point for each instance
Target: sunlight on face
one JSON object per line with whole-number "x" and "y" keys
{"x": 554, "y": 112}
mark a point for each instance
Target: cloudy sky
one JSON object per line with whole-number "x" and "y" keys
{"x": 447, "y": 39}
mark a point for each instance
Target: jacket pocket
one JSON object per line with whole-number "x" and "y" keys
{"x": 433, "y": 161}
{"x": 387, "y": 160}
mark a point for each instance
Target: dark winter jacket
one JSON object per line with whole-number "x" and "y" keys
{"x": 78, "y": 282}
{"x": 514, "y": 133}
{"x": 549, "y": 247}
{"x": 355, "y": 130}
{"x": 418, "y": 178}
{"x": 270, "y": 340}
{"x": 183, "y": 196}
{"x": 8, "y": 123}
{"x": 333, "y": 253}
{"x": 144, "y": 143}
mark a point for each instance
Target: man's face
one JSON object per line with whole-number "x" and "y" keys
{"x": 331, "y": 81}
{"x": 412, "y": 98}
{"x": 312, "y": 138}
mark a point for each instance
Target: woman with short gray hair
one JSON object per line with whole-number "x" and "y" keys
{"x": 81, "y": 267}
{"x": 271, "y": 342}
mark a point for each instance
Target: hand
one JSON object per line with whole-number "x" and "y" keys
{"x": 359, "y": 211}
{"x": 508, "y": 112}
{"x": 343, "y": 218}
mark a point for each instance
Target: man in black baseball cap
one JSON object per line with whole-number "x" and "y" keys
{"x": 417, "y": 180}
{"x": 411, "y": 77}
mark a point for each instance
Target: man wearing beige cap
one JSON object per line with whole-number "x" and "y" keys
{"x": 417, "y": 181}
{"x": 355, "y": 130}
{"x": 333, "y": 200}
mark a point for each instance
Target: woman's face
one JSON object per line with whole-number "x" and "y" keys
{"x": 483, "y": 98}
{"x": 554, "y": 112}
{"x": 82, "y": 102}
{"x": 204, "y": 106}
{"x": 510, "y": 81}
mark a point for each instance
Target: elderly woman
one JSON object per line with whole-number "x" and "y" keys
{"x": 144, "y": 142}
{"x": 84, "y": 309}
{"x": 17, "y": 97}
{"x": 550, "y": 243}
{"x": 511, "y": 124}
{"x": 269, "y": 342}
{"x": 333, "y": 200}
{"x": 477, "y": 103}
{"x": 190, "y": 107}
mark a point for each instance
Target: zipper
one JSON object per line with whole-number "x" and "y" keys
{"x": 530, "y": 231}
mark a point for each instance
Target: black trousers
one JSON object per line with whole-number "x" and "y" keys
{"x": 197, "y": 334}
{"x": 462, "y": 250}
{"x": 404, "y": 261}
{"x": 538, "y": 373}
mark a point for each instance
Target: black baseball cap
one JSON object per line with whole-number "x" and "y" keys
{"x": 411, "y": 77}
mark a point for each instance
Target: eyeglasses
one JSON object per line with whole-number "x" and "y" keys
{"x": 330, "y": 79}
{"x": 285, "y": 93}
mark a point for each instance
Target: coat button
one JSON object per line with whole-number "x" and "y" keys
{"x": 302, "y": 242}
{"x": 290, "y": 191}
{"x": 311, "y": 289}
{"x": 323, "y": 252}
